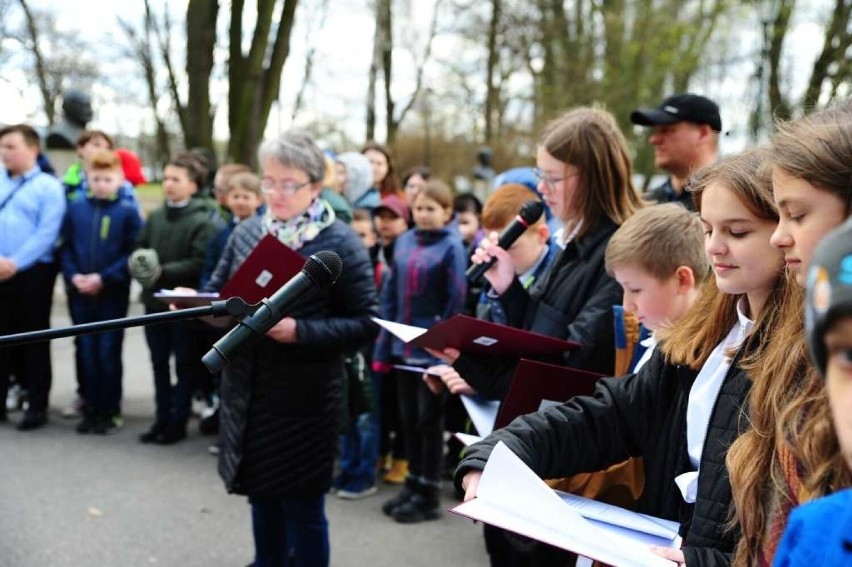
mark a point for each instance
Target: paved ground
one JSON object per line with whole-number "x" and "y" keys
{"x": 73, "y": 500}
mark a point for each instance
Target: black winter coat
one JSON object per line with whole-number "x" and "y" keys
{"x": 280, "y": 407}
{"x": 572, "y": 301}
{"x": 641, "y": 415}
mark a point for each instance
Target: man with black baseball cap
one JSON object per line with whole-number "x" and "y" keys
{"x": 685, "y": 137}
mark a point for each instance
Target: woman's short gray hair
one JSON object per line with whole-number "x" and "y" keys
{"x": 295, "y": 148}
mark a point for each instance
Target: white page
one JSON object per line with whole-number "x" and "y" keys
{"x": 405, "y": 333}
{"x": 183, "y": 293}
{"x": 607, "y": 513}
{"x": 483, "y": 413}
{"x": 511, "y": 496}
{"x": 467, "y": 439}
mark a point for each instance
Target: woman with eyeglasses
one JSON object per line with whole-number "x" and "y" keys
{"x": 584, "y": 174}
{"x": 280, "y": 398}
{"x": 584, "y": 171}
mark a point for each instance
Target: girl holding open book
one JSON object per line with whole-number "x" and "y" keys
{"x": 686, "y": 406}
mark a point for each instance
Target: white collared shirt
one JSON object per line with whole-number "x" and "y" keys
{"x": 702, "y": 398}
{"x": 650, "y": 344}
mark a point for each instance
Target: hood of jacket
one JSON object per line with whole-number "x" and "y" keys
{"x": 359, "y": 175}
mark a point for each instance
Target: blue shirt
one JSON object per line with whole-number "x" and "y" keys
{"x": 32, "y": 206}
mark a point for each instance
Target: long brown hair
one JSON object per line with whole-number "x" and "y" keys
{"x": 389, "y": 185}
{"x": 589, "y": 139}
{"x": 791, "y": 430}
{"x": 713, "y": 315}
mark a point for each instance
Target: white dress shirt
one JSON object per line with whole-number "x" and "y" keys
{"x": 702, "y": 398}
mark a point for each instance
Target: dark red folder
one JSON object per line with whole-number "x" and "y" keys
{"x": 473, "y": 336}
{"x": 270, "y": 265}
{"x": 537, "y": 381}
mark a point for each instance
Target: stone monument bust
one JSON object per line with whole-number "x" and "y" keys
{"x": 76, "y": 113}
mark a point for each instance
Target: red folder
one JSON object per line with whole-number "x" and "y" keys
{"x": 537, "y": 381}
{"x": 474, "y": 336}
{"x": 270, "y": 265}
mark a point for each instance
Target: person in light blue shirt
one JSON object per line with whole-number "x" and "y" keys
{"x": 32, "y": 206}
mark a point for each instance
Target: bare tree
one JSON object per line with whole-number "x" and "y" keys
{"x": 254, "y": 78}
{"x": 59, "y": 58}
{"x": 309, "y": 55}
{"x": 142, "y": 52}
{"x": 831, "y": 69}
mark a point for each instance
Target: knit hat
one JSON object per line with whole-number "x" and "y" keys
{"x": 359, "y": 175}
{"x": 829, "y": 290}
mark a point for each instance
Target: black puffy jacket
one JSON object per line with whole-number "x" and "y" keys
{"x": 641, "y": 415}
{"x": 281, "y": 403}
{"x": 572, "y": 301}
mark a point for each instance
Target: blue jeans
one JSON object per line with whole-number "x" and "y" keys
{"x": 359, "y": 452}
{"x": 173, "y": 402}
{"x": 98, "y": 355}
{"x": 290, "y": 532}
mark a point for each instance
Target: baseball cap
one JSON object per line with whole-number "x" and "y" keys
{"x": 395, "y": 204}
{"x": 829, "y": 289}
{"x": 684, "y": 107}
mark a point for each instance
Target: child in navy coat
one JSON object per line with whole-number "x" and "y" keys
{"x": 98, "y": 236}
{"x": 427, "y": 285}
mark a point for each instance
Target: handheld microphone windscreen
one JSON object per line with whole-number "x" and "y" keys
{"x": 323, "y": 268}
{"x": 531, "y": 211}
{"x": 529, "y": 214}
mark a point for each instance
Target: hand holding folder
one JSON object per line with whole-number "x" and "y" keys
{"x": 470, "y": 335}
{"x": 511, "y": 496}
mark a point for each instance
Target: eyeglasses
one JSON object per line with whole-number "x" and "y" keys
{"x": 551, "y": 181}
{"x": 268, "y": 185}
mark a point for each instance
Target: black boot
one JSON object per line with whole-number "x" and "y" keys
{"x": 409, "y": 489}
{"x": 424, "y": 505}
{"x": 154, "y": 433}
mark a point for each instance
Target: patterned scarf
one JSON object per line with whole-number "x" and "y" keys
{"x": 301, "y": 228}
{"x": 780, "y": 511}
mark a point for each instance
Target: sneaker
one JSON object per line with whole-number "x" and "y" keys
{"x": 15, "y": 398}
{"x": 87, "y": 425}
{"x": 75, "y": 409}
{"x": 352, "y": 493}
{"x": 108, "y": 425}
{"x": 32, "y": 420}
{"x": 397, "y": 473}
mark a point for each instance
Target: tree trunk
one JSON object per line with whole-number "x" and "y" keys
{"x": 201, "y": 18}
{"x": 254, "y": 79}
{"x": 48, "y": 97}
{"x": 385, "y": 20}
{"x": 838, "y": 40}
{"x": 492, "y": 93}
{"x": 778, "y": 104}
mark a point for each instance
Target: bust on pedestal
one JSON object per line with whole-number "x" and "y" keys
{"x": 76, "y": 113}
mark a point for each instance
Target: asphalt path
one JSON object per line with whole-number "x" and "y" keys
{"x": 82, "y": 500}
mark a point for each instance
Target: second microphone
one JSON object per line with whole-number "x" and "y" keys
{"x": 528, "y": 215}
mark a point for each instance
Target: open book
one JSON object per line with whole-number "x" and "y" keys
{"x": 474, "y": 336}
{"x": 511, "y": 496}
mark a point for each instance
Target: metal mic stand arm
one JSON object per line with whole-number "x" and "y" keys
{"x": 233, "y": 307}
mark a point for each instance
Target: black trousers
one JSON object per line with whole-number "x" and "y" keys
{"x": 25, "y": 303}
{"x": 422, "y": 416}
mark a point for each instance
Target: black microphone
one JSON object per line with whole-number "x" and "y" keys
{"x": 321, "y": 270}
{"x": 529, "y": 214}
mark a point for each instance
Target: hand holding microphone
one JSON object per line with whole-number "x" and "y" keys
{"x": 487, "y": 253}
{"x": 321, "y": 270}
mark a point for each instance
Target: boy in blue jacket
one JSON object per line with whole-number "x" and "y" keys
{"x": 98, "y": 236}
{"x": 820, "y": 532}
